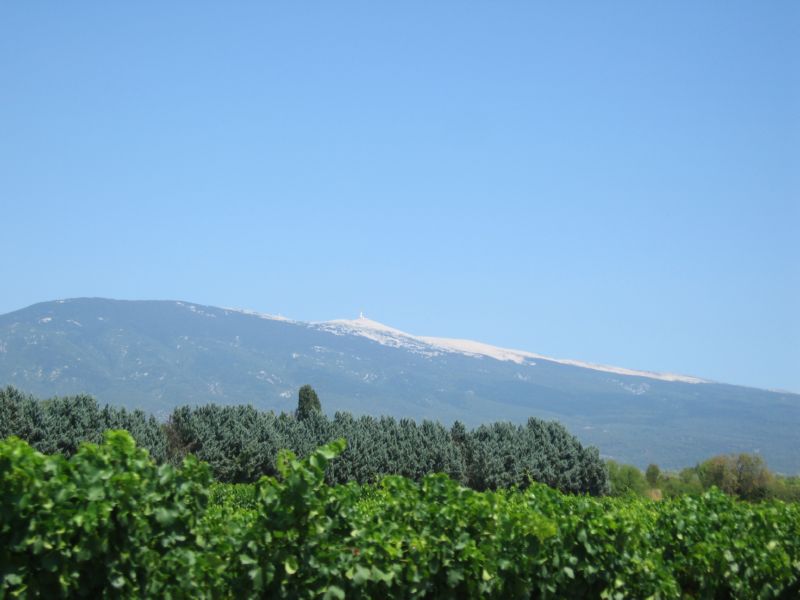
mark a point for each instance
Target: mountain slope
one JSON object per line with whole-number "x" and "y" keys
{"x": 159, "y": 354}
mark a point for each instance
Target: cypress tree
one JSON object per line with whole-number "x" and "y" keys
{"x": 307, "y": 402}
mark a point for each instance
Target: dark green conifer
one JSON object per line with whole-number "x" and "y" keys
{"x": 307, "y": 402}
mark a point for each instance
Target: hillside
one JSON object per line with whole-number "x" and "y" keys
{"x": 159, "y": 354}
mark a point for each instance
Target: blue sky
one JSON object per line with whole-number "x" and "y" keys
{"x": 616, "y": 182}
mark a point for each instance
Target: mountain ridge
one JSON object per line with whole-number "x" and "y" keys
{"x": 156, "y": 355}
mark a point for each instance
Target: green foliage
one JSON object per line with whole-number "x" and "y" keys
{"x": 385, "y": 446}
{"x": 652, "y": 474}
{"x": 721, "y": 548}
{"x": 785, "y": 488}
{"x": 241, "y": 443}
{"x": 502, "y": 455}
{"x": 625, "y": 480}
{"x": 677, "y": 484}
{"x": 106, "y": 522}
{"x": 602, "y": 549}
{"x": 59, "y": 425}
{"x": 109, "y": 523}
{"x": 743, "y": 475}
{"x": 307, "y": 402}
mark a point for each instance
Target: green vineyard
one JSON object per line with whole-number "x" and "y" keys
{"x": 109, "y": 522}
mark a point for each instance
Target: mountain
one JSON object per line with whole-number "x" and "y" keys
{"x": 157, "y": 355}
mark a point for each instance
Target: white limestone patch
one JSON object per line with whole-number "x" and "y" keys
{"x": 270, "y": 378}
{"x": 199, "y": 311}
{"x": 260, "y": 315}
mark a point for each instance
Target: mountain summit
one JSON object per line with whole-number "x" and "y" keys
{"x": 156, "y": 355}
{"x": 432, "y": 346}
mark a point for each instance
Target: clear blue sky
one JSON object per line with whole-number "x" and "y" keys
{"x": 612, "y": 182}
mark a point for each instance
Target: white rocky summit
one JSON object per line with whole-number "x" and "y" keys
{"x": 434, "y": 346}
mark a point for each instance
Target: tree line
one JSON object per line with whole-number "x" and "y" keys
{"x": 241, "y": 443}
{"x": 745, "y": 476}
